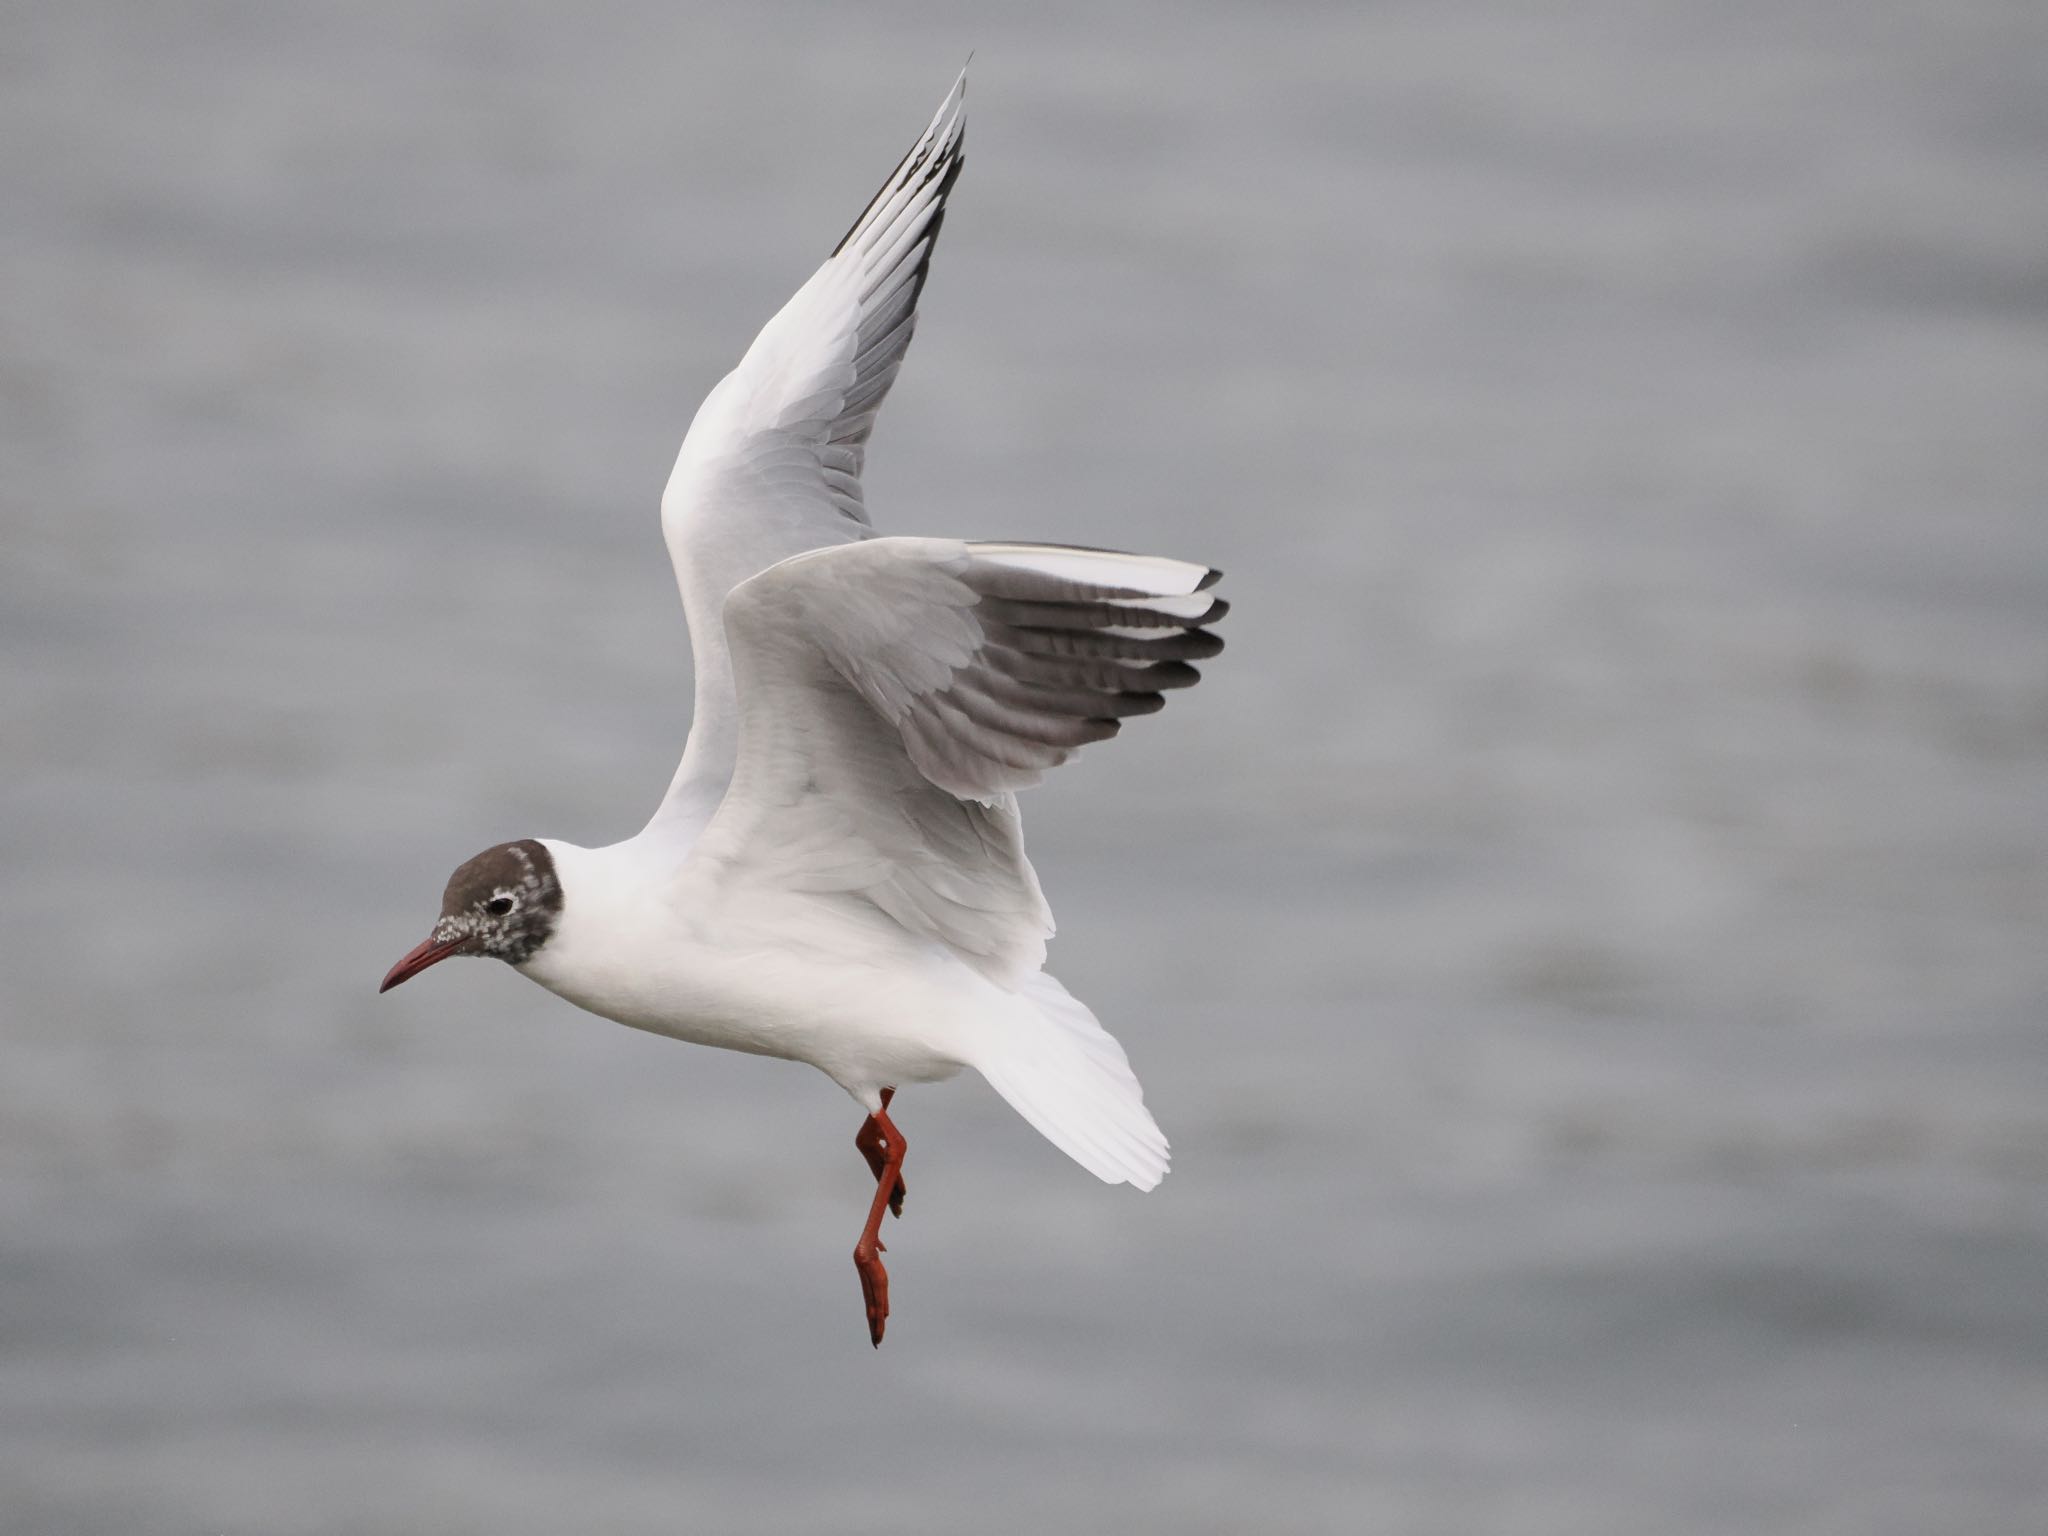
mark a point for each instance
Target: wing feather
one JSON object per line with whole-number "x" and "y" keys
{"x": 772, "y": 464}
{"x": 887, "y": 718}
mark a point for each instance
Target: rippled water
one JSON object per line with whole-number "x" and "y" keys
{"x": 1585, "y": 938}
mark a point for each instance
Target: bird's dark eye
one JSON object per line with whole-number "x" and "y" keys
{"x": 498, "y": 906}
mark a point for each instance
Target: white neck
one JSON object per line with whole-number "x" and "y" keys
{"x": 616, "y": 922}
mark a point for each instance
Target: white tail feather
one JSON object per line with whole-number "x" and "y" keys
{"x": 1065, "y": 1073}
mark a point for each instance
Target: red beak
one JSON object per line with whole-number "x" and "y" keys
{"x": 418, "y": 959}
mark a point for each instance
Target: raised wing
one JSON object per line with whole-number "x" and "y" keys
{"x": 771, "y": 465}
{"x": 894, "y": 694}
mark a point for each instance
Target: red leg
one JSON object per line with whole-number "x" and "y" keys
{"x": 873, "y": 1145}
{"x": 867, "y": 1253}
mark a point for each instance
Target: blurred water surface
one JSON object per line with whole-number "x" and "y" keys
{"x": 1585, "y": 938}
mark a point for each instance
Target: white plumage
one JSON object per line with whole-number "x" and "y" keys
{"x": 861, "y": 899}
{"x": 837, "y": 872}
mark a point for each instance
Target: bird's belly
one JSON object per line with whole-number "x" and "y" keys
{"x": 864, "y": 1032}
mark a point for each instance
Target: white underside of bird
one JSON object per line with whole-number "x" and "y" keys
{"x": 829, "y": 979}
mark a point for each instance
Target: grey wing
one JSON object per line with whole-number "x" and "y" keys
{"x": 772, "y": 463}
{"x": 895, "y": 694}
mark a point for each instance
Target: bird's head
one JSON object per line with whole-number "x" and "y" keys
{"x": 502, "y": 904}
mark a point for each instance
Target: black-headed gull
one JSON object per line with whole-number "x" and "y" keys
{"x": 837, "y": 873}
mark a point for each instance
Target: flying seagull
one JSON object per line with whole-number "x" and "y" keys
{"x": 837, "y": 874}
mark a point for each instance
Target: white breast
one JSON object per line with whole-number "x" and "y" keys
{"x": 829, "y": 981}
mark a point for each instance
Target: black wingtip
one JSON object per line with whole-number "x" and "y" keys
{"x": 953, "y": 154}
{"x": 1209, "y": 579}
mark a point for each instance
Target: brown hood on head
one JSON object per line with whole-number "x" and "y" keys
{"x": 504, "y": 904}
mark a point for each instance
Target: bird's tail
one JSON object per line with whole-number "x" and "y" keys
{"x": 1066, "y": 1074}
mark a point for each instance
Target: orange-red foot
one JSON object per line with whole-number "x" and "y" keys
{"x": 874, "y": 1288}
{"x": 882, "y": 1144}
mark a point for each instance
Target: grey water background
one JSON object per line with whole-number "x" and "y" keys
{"x": 1585, "y": 937}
